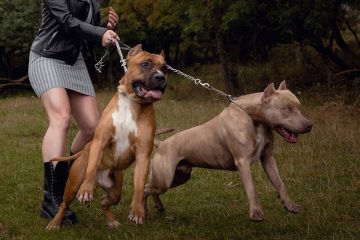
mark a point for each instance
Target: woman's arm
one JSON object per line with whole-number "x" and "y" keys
{"x": 60, "y": 10}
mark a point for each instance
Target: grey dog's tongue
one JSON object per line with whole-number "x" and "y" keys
{"x": 155, "y": 94}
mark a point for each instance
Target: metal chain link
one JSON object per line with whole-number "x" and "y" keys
{"x": 205, "y": 85}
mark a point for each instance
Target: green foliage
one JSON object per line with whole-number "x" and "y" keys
{"x": 19, "y": 22}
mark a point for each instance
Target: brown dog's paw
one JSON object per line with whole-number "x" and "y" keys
{"x": 137, "y": 215}
{"x": 52, "y": 226}
{"x": 113, "y": 224}
{"x": 256, "y": 215}
{"x": 85, "y": 194}
{"x": 292, "y": 207}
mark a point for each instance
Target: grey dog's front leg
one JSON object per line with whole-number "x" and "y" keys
{"x": 243, "y": 165}
{"x": 270, "y": 167}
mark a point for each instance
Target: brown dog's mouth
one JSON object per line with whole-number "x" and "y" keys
{"x": 287, "y": 135}
{"x": 148, "y": 95}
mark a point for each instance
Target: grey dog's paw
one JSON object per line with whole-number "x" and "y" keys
{"x": 292, "y": 207}
{"x": 256, "y": 215}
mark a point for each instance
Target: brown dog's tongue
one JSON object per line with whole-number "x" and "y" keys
{"x": 155, "y": 94}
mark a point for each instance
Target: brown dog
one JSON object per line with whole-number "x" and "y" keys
{"x": 233, "y": 140}
{"x": 124, "y": 134}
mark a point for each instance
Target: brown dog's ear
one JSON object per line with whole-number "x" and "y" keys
{"x": 268, "y": 93}
{"x": 134, "y": 51}
{"x": 282, "y": 86}
{"x": 162, "y": 53}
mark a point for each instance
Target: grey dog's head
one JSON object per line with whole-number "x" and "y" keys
{"x": 282, "y": 112}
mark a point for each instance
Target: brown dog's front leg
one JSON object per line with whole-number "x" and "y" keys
{"x": 85, "y": 193}
{"x": 243, "y": 165}
{"x": 137, "y": 209}
{"x": 269, "y": 165}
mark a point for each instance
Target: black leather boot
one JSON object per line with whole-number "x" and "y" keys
{"x": 54, "y": 185}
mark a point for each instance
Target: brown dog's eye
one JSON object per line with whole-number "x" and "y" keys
{"x": 145, "y": 64}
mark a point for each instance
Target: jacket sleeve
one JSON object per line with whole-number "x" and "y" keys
{"x": 59, "y": 9}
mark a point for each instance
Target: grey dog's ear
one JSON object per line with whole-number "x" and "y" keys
{"x": 268, "y": 93}
{"x": 162, "y": 53}
{"x": 134, "y": 51}
{"x": 282, "y": 86}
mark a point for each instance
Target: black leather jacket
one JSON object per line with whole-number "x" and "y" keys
{"x": 63, "y": 29}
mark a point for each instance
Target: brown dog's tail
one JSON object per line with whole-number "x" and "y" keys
{"x": 65, "y": 159}
{"x": 162, "y": 131}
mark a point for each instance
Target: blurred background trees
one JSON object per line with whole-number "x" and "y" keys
{"x": 301, "y": 41}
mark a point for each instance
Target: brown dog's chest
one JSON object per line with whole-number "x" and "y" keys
{"x": 120, "y": 153}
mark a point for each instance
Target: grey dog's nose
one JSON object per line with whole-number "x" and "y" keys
{"x": 159, "y": 77}
{"x": 308, "y": 127}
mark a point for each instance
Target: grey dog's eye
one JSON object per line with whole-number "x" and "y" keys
{"x": 288, "y": 109}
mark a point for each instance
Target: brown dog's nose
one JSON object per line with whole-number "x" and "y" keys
{"x": 159, "y": 77}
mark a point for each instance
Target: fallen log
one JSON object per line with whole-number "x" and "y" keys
{"x": 15, "y": 85}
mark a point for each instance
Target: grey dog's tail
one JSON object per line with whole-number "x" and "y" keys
{"x": 161, "y": 131}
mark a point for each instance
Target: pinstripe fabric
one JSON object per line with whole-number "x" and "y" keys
{"x": 47, "y": 73}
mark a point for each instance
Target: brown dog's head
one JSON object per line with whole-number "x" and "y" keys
{"x": 282, "y": 112}
{"x": 145, "y": 79}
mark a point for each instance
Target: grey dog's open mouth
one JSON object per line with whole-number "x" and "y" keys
{"x": 287, "y": 135}
{"x": 149, "y": 95}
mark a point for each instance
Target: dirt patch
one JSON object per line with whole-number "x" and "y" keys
{"x": 3, "y": 232}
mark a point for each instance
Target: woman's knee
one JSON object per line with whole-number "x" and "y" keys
{"x": 60, "y": 120}
{"x": 89, "y": 128}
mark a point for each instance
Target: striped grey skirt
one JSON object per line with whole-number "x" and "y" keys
{"x": 47, "y": 73}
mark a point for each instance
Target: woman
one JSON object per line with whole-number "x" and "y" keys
{"x": 58, "y": 75}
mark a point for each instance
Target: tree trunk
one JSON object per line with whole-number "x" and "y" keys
{"x": 339, "y": 38}
{"x": 177, "y": 50}
{"x": 328, "y": 53}
{"x": 228, "y": 61}
{"x": 4, "y": 59}
{"x": 352, "y": 31}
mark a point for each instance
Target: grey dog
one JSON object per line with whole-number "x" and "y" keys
{"x": 240, "y": 135}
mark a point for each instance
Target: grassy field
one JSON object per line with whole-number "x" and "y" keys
{"x": 321, "y": 172}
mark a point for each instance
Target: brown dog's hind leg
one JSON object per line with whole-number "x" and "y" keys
{"x": 76, "y": 177}
{"x": 112, "y": 197}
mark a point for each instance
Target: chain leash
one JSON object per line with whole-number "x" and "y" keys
{"x": 205, "y": 85}
{"x": 99, "y": 65}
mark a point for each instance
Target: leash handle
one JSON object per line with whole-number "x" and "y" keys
{"x": 122, "y": 60}
{"x": 101, "y": 63}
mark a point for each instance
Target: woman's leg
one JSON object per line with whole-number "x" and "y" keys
{"x": 57, "y": 105}
{"x": 86, "y": 113}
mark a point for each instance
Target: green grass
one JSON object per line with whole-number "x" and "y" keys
{"x": 321, "y": 172}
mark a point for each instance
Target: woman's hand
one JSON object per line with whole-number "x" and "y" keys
{"x": 113, "y": 19}
{"x": 108, "y": 38}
